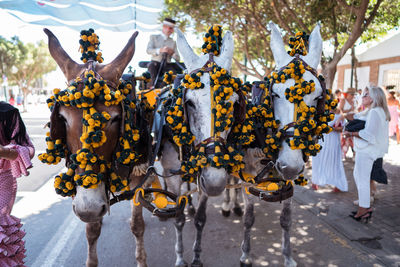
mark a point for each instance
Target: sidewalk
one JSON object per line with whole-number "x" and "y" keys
{"x": 380, "y": 239}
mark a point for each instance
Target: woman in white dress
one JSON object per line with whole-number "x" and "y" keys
{"x": 370, "y": 143}
{"x": 327, "y": 165}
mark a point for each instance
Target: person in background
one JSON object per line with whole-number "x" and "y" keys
{"x": 16, "y": 152}
{"x": 162, "y": 45}
{"x": 327, "y": 165}
{"x": 338, "y": 94}
{"x": 11, "y": 100}
{"x": 346, "y": 105}
{"x": 393, "y": 105}
{"x": 370, "y": 144}
{"x": 19, "y": 101}
{"x": 358, "y": 100}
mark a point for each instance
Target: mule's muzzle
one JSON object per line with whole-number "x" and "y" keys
{"x": 93, "y": 214}
{"x": 213, "y": 181}
{"x": 90, "y": 205}
{"x": 288, "y": 172}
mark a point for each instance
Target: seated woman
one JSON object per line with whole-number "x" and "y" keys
{"x": 370, "y": 143}
{"x": 16, "y": 152}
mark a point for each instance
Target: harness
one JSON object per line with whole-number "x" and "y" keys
{"x": 82, "y": 93}
{"x": 285, "y": 133}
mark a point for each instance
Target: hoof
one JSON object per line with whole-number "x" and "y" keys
{"x": 183, "y": 264}
{"x": 196, "y": 264}
{"x": 244, "y": 264}
{"x": 238, "y": 211}
{"x": 226, "y": 213}
{"x": 191, "y": 211}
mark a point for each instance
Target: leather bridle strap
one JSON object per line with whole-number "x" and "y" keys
{"x": 205, "y": 66}
{"x": 321, "y": 100}
{"x": 151, "y": 169}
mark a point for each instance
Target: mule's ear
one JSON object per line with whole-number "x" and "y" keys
{"x": 57, "y": 126}
{"x": 227, "y": 51}
{"x": 189, "y": 57}
{"x": 69, "y": 67}
{"x": 315, "y": 48}
{"x": 113, "y": 70}
{"x": 281, "y": 57}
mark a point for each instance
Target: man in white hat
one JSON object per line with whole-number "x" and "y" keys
{"x": 162, "y": 45}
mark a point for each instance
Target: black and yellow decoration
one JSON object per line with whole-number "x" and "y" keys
{"x": 298, "y": 44}
{"x": 93, "y": 136}
{"x": 309, "y": 124}
{"x": 212, "y": 40}
{"x": 89, "y": 43}
{"x": 222, "y": 86}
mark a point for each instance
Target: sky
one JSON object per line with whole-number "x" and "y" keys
{"x": 111, "y": 43}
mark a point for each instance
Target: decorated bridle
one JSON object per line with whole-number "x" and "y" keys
{"x": 309, "y": 124}
{"x": 224, "y": 114}
{"x": 88, "y": 88}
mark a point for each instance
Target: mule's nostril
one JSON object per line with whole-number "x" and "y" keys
{"x": 301, "y": 171}
{"x": 103, "y": 210}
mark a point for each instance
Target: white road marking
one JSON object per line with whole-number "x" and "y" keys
{"x": 37, "y": 136}
{"x": 57, "y": 246}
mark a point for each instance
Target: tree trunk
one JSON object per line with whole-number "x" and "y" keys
{"x": 329, "y": 71}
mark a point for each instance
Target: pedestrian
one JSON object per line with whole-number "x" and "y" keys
{"x": 327, "y": 165}
{"x": 370, "y": 144}
{"x": 19, "y": 100}
{"x": 338, "y": 94}
{"x": 11, "y": 100}
{"x": 16, "y": 152}
{"x": 347, "y": 105}
{"x": 393, "y": 105}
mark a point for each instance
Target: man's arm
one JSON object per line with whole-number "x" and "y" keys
{"x": 151, "y": 48}
{"x": 175, "y": 55}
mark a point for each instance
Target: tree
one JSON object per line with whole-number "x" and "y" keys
{"x": 8, "y": 54}
{"x": 343, "y": 22}
{"x": 31, "y": 63}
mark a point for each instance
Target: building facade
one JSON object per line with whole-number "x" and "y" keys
{"x": 379, "y": 65}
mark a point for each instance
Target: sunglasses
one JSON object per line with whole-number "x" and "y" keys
{"x": 365, "y": 95}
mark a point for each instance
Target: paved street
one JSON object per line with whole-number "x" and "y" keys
{"x": 322, "y": 232}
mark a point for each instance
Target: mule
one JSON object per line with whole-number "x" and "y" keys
{"x": 289, "y": 163}
{"x": 90, "y": 205}
{"x": 211, "y": 181}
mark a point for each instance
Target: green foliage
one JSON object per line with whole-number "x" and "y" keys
{"x": 11, "y": 51}
{"x": 31, "y": 62}
{"x": 248, "y": 21}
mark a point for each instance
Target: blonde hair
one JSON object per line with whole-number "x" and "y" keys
{"x": 378, "y": 97}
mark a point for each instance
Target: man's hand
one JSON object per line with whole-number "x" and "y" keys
{"x": 167, "y": 50}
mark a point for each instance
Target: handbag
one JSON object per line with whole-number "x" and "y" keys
{"x": 355, "y": 125}
{"x": 378, "y": 174}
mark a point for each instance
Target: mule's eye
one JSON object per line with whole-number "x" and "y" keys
{"x": 61, "y": 119}
{"x": 116, "y": 119}
{"x": 190, "y": 104}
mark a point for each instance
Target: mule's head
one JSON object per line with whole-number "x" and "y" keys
{"x": 290, "y": 162}
{"x": 66, "y": 123}
{"x": 199, "y": 107}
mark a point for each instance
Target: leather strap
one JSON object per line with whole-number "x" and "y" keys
{"x": 162, "y": 213}
{"x": 282, "y": 194}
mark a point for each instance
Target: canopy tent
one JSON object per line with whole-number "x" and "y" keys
{"x": 114, "y": 15}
